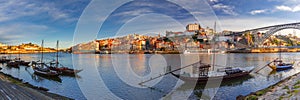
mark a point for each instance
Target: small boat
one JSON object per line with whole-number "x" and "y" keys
{"x": 40, "y": 69}
{"x": 62, "y": 70}
{"x": 4, "y": 59}
{"x": 278, "y": 65}
{"x": 22, "y": 62}
{"x": 65, "y": 70}
{"x": 230, "y": 73}
{"x": 45, "y": 72}
{"x": 13, "y": 64}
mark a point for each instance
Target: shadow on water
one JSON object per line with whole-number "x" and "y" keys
{"x": 199, "y": 88}
{"x": 277, "y": 75}
{"x": 39, "y": 78}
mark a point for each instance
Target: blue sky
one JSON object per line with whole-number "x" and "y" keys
{"x": 23, "y": 21}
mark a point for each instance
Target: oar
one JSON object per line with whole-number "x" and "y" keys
{"x": 265, "y": 66}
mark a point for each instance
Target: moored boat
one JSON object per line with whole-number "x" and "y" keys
{"x": 21, "y": 62}
{"x": 229, "y": 75}
{"x": 65, "y": 70}
{"x": 279, "y": 65}
{"x": 42, "y": 69}
{"x": 4, "y": 59}
{"x": 13, "y": 64}
{"x": 62, "y": 70}
{"x": 45, "y": 72}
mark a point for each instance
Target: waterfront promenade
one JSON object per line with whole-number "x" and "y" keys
{"x": 11, "y": 89}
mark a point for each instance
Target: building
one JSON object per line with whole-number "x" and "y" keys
{"x": 209, "y": 31}
{"x": 1, "y": 45}
{"x": 193, "y": 27}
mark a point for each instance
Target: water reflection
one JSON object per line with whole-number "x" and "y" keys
{"x": 117, "y": 75}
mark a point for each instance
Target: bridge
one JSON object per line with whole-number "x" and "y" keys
{"x": 259, "y": 38}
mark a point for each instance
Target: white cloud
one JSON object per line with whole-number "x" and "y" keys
{"x": 284, "y": 8}
{"x": 226, "y": 9}
{"x": 133, "y": 12}
{"x": 254, "y": 12}
{"x": 287, "y": 2}
{"x": 13, "y": 33}
{"x": 214, "y": 0}
{"x": 13, "y": 9}
{"x": 287, "y": 8}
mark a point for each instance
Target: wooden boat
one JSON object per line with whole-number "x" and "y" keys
{"x": 4, "y": 59}
{"x": 21, "y": 62}
{"x": 13, "y": 64}
{"x": 65, "y": 70}
{"x": 230, "y": 73}
{"x": 278, "y": 65}
{"x": 62, "y": 70}
{"x": 39, "y": 68}
{"x": 214, "y": 78}
{"x": 45, "y": 72}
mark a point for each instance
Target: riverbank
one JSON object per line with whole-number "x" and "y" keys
{"x": 13, "y": 88}
{"x": 264, "y": 50}
{"x": 29, "y": 52}
{"x": 288, "y": 88}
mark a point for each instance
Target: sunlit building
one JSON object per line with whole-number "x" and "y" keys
{"x": 193, "y": 27}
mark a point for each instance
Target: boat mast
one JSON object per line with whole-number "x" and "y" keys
{"x": 214, "y": 48}
{"x": 279, "y": 47}
{"x": 57, "y": 53}
{"x": 9, "y": 57}
{"x": 19, "y": 58}
{"x": 42, "y": 53}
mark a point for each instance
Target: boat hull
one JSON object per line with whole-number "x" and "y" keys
{"x": 45, "y": 73}
{"x": 284, "y": 67}
{"x": 65, "y": 71}
{"x": 216, "y": 78}
{"x": 13, "y": 64}
{"x": 281, "y": 67}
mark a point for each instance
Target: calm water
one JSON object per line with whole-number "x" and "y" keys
{"x": 117, "y": 76}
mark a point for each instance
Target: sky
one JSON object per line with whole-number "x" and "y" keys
{"x": 24, "y": 21}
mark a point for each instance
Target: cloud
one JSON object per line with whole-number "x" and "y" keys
{"x": 214, "y": 0}
{"x": 254, "y": 12}
{"x": 133, "y": 12}
{"x": 14, "y": 9}
{"x": 287, "y": 8}
{"x": 286, "y": 2}
{"x": 13, "y": 33}
{"x": 226, "y": 9}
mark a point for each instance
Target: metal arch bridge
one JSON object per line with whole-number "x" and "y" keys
{"x": 270, "y": 30}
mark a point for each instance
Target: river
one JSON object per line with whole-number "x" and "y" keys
{"x": 117, "y": 76}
